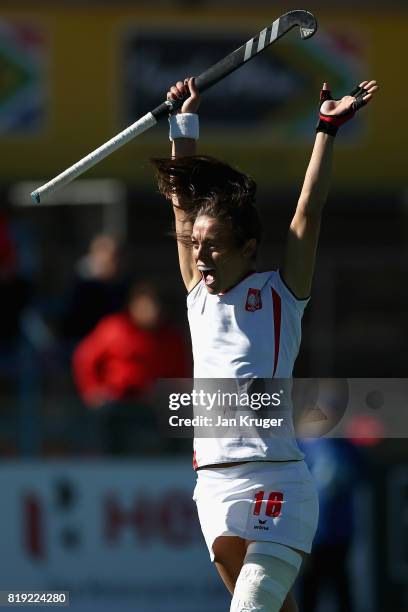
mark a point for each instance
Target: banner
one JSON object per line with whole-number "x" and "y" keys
{"x": 272, "y": 99}
{"x": 261, "y": 118}
{"x": 22, "y": 83}
{"x": 116, "y": 535}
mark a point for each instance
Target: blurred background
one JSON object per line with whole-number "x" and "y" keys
{"x": 94, "y": 500}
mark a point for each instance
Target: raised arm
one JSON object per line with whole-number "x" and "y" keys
{"x": 182, "y": 147}
{"x": 300, "y": 253}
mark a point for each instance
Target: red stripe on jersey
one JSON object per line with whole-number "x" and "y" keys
{"x": 277, "y": 318}
{"x": 195, "y": 464}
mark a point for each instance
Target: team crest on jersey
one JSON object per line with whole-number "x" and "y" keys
{"x": 253, "y": 301}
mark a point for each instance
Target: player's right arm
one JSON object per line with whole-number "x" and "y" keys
{"x": 182, "y": 147}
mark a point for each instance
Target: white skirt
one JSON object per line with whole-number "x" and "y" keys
{"x": 259, "y": 501}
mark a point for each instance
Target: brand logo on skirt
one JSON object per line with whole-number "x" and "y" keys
{"x": 261, "y": 525}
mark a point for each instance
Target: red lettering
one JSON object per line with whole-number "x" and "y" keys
{"x": 138, "y": 517}
{"x": 170, "y": 517}
{"x": 258, "y": 503}
{"x": 33, "y": 525}
{"x": 178, "y": 519}
{"x": 274, "y": 505}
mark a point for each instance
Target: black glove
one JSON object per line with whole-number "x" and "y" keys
{"x": 329, "y": 124}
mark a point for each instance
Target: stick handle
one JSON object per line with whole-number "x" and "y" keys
{"x": 303, "y": 19}
{"x": 140, "y": 126}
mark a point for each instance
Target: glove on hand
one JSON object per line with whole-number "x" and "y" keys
{"x": 329, "y": 124}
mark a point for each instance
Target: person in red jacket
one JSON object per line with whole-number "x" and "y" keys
{"x": 128, "y": 351}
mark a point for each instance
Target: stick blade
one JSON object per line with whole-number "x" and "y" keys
{"x": 306, "y": 21}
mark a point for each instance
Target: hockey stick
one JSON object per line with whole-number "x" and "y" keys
{"x": 308, "y": 26}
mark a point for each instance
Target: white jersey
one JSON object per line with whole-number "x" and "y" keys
{"x": 251, "y": 331}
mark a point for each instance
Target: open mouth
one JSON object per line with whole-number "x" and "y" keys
{"x": 208, "y": 275}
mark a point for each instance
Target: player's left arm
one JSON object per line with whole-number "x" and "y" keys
{"x": 300, "y": 253}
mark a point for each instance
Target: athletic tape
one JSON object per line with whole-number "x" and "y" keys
{"x": 276, "y": 550}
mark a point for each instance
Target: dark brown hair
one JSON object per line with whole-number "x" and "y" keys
{"x": 206, "y": 186}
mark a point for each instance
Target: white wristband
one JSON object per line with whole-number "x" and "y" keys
{"x": 184, "y": 125}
